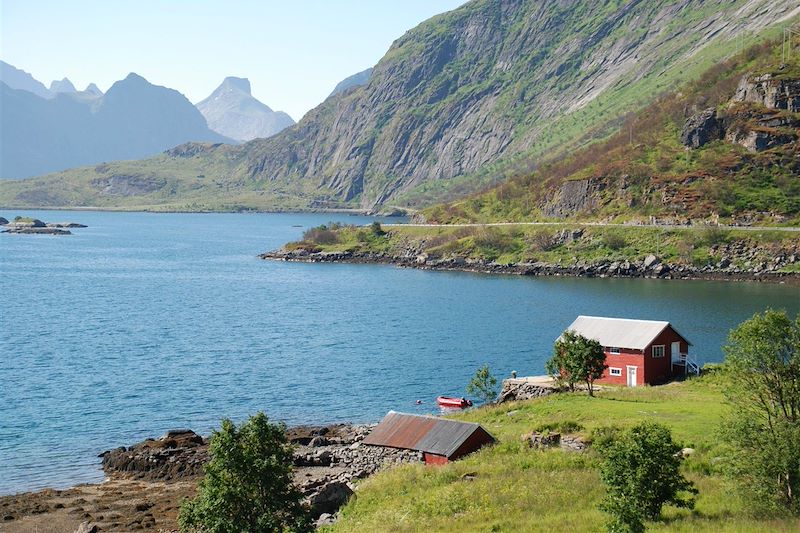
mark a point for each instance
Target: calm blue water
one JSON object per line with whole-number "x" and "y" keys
{"x": 145, "y": 322}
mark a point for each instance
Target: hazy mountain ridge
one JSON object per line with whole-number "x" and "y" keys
{"x": 455, "y": 96}
{"x": 19, "y": 79}
{"x": 133, "y": 119}
{"x": 232, "y": 111}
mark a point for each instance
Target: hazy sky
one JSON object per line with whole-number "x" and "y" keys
{"x": 293, "y": 51}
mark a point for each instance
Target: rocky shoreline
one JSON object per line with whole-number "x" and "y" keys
{"x": 146, "y": 482}
{"x": 650, "y": 267}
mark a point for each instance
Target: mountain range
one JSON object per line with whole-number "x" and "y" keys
{"x": 478, "y": 94}
{"x": 46, "y": 130}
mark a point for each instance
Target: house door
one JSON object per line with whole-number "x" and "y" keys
{"x": 676, "y": 353}
{"x": 631, "y": 376}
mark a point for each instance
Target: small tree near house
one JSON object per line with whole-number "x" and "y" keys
{"x": 577, "y": 359}
{"x": 483, "y": 385}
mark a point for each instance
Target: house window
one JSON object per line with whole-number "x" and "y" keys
{"x": 615, "y": 371}
{"x": 658, "y": 350}
{"x": 613, "y": 350}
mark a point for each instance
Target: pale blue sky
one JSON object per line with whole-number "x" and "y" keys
{"x": 293, "y": 52}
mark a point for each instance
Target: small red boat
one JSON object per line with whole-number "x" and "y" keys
{"x": 453, "y": 403}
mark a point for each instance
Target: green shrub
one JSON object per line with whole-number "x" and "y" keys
{"x": 248, "y": 485}
{"x": 614, "y": 241}
{"x": 321, "y": 235}
{"x": 641, "y": 471}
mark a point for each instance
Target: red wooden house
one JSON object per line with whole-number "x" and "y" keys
{"x": 638, "y": 352}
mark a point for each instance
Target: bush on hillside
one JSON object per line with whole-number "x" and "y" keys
{"x": 641, "y": 471}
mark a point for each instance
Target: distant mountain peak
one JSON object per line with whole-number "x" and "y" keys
{"x": 231, "y": 110}
{"x": 93, "y": 89}
{"x": 63, "y": 86}
{"x": 242, "y": 84}
{"x": 356, "y": 80}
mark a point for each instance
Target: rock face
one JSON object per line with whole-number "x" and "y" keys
{"x": 133, "y": 119}
{"x": 770, "y": 91}
{"x": 745, "y": 121}
{"x": 233, "y": 112}
{"x": 702, "y": 129}
{"x": 573, "y": 197}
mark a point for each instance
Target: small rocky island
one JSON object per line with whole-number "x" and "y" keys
{"x": 34, "y": 226}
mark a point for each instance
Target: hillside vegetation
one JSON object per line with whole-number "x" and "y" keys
{"x": 467, "y": 98}
{"x": 511, "y": 487}
{"x": 714, "y": 150}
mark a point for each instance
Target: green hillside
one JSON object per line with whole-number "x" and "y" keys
{"x": 467, "y": 98}
{"x": 510, "y": 487}
{"x": 646, "y": 172}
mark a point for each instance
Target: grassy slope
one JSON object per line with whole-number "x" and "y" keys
{"x": 519, "y": 489}
{"x": 721, "y": 177}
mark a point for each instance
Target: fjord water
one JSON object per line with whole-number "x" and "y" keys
{"x": 145, "y": 322}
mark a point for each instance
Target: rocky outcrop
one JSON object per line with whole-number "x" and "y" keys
{"x": 746, "y": 121}
{"x": 573, "y": 197}
{"x": 3, "y": 221}
{"x": 702, "y": 129}
{"x": 771, "y": 91}
{"x": 524, "y": 389}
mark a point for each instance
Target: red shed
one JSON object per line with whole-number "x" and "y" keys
{"x": 440, "y": 440}
{"x": 638, "y": 352}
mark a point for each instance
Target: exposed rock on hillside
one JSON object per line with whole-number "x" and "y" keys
{"x": 702, "y": 129}
{"x": 769, "y": 91}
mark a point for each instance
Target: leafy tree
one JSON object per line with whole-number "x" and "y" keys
{"x": 376, "y": 229}
{"x": 247, "y": 485}
{"x": 762, "y": 367}
{"x": 483, "y": 384}
{"x": 576, "y": 358}
{"x": 641, "y": 471}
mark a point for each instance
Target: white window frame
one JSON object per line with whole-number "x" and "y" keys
{"x": 613, "y": 371}
{"x": 663, "y": 351}
{"x": 614, "y": 350}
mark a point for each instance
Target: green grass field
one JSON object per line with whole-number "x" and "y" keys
{"x": 515, "y": 488}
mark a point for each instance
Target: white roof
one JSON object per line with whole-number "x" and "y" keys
{"x": 619, "y": 332}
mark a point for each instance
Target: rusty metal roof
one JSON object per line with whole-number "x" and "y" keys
{"x": 423, "y": 433}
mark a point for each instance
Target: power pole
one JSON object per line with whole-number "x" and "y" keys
{"x": 786, "y": 46}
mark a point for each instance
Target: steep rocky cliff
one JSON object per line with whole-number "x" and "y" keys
{"x": 478, "y": 86}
